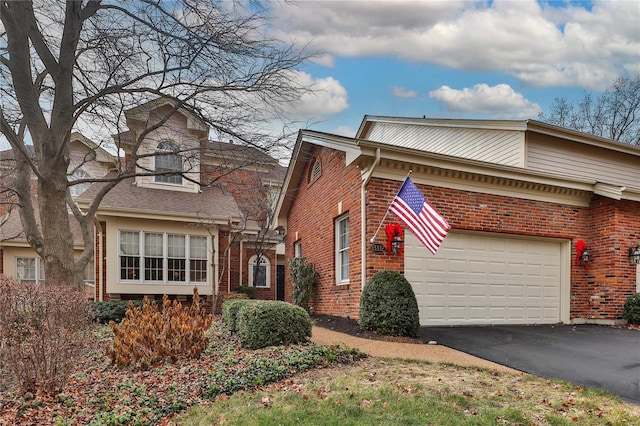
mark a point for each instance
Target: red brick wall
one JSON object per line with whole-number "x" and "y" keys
{"x": 234, "y": 279}
{"x": 312, "y": 216}
{"x": 615, "y": 226}
{"x": 608, "y": 227}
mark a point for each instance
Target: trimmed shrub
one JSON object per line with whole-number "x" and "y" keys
{"x": 388, "y": 305}
{"x": 248, "y": 290}
{"x": 272, "y": 323}
{"x": 149, "y": 335}
{"x": 631, "y": 309}
{"x": 44, "y": 330}
{"x": 112, "y": 310}
{"x": 305, "y": 278}
{"x": 230, "y": 310}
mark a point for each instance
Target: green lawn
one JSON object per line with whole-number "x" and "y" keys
{"x": 393, "y": 392}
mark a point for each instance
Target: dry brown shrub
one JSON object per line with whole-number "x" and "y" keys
{"x": 149, "y": 335}
{"x": 44, "y": 329}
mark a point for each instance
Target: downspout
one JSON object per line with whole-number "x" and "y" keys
{"x": 100, "y": 285}
{"x": 241, "y": 268}
{"x": 100, "y": 264}
{"x": 363, "y": 217}
{"x": 229, "y": 266}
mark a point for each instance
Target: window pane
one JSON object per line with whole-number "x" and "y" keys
{"x": 342, "y": 250}
{"x": 198, "y": 247}
{"x": 344, "y": 264}
{"x": 129, "y": 267}
{"x": 26, "y": 268}
{"x": 153, "y": 257}
{"x": 40, "y": 269}
{"x": 176, "y": 269}
{"x": 260, "y": 276}
{"x": 153, "y": 245}
{"x": 198, "y": 259}
{"x": 80, "y": 188}
{"x": 198, "y": 271}
{"x": 344, "y": 233}
{"x": 168, "y": 160}
{"x": 153, "y": 268}
{"x": 89, "y": 272}
{"x": 129, "y": 243}
{"x": 176, "y": 246}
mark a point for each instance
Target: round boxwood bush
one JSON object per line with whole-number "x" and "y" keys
{"x": 272, "y": 323}
{"x": 112, "y": 310}
{"x": 388, "y": 305}
{"x": 631, "y": 309}
{"x": 230, "y": 309}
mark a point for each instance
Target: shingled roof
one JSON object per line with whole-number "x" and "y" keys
{"x": 214, "y": 203}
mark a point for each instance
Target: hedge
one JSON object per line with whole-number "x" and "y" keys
{"x": 272, "y": 323}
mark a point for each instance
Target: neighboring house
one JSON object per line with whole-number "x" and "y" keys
{"x": 520, "y": 197}
{"x": 166, "y": 234}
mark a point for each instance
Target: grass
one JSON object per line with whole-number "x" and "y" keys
{"x": 100, "y": 394}
{"x": 304, "y": 384}
{"x": 394, "y": 392}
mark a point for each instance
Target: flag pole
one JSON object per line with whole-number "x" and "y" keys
{"x": 386, "y": 214}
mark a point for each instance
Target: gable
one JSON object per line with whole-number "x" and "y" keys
{"x": 490, "y": 145}
{"x": 550, "y": 154}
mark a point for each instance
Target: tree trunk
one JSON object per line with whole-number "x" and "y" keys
{"x": 54, "y": 219}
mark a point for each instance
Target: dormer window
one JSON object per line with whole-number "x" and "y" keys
{"x": 78, "y": 189}
{"x": 168, "y": 160}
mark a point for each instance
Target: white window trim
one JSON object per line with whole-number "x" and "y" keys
{"x": 267, "y": 264}
{"x": 297, "y": 248}
{"x": 165, "y": 262}
{"x": 340, "y": 280}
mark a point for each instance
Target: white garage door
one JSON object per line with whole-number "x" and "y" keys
{"x": 476, "y": 278}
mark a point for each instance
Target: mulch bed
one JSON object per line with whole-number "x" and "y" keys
{"x": 350, "y": 326}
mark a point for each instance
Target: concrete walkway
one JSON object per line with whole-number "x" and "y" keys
{"x": 423, "y": 352}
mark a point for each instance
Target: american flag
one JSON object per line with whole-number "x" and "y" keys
{"x": 415, "y": 211}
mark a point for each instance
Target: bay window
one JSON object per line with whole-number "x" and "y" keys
{"x": 163, "y": 257}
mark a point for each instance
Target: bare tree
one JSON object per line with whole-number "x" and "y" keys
{"x": 83, "y": 63}
{"x": 615, "y": 114}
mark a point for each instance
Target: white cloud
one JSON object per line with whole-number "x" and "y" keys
{"x": 496, "y": 101}
{"x": 542, "y": 44}
{"x": 327, "y": 97}
{"x": 344, "y": 131}
{"x": 401, "y": 92}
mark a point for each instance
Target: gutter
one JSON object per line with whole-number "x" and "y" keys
{"x": 363, "y": 217}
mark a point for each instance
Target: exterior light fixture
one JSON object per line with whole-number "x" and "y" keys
{"x": 585, "y": 258}
{"x": 634, "y": 255}
{"x": 396, "y": 244}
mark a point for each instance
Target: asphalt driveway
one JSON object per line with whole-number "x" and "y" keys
{"x": 595, "y": 356}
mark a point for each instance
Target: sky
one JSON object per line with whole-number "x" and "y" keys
{"x": 454, "y": 59}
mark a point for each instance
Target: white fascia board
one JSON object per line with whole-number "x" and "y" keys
{"x": 341, "y": 143}
{"x": 163, "y": 215}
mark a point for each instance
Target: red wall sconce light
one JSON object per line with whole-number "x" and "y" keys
{"x": 583, "y": 257}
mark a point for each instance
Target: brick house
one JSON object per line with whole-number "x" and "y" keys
{"x": 522, "y": 198}
{"x": 165, "y": 234}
